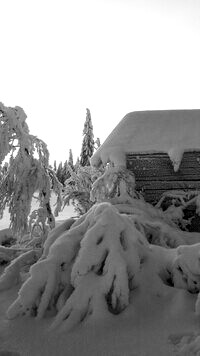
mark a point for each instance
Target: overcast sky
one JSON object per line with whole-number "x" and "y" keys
{"x": 59, "y": 57}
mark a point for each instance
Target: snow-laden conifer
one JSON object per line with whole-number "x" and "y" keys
{"x": 91, "y": 268}
{"x": 94, "y": 268}
{"x": 88, "y": 141}
{"x": 70, "y": 160}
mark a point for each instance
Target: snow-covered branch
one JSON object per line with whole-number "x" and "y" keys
{"x": 27, "y": 170}
{"x": 12, "y": 273}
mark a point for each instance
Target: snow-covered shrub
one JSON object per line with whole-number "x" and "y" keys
{"x": 78, "y": 187}
{"x": 115, "y": 182}
{"x": 183, "y": 208}
{"x": 27, "y": 171}
{"x": 186, "y": 269}
{"x": 157, "y": 226}
{"x": 89, "y": 270}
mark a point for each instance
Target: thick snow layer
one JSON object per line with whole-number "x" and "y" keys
{"x": 168, "y": 131}
{"x": 100, "y": 251}
{"x": 153, "y": 325}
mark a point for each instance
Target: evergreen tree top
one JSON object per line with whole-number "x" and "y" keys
{"x": 88, "y": 124}
{"x": 88, "y": 141}
{"x": 70, "y": 160}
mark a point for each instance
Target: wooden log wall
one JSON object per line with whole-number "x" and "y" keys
{"x": 155, "y": 174}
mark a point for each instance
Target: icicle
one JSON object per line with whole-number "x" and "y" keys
{"x": 175, "y": 155}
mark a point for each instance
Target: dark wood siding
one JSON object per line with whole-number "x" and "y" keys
{"x": 155, "y": 173}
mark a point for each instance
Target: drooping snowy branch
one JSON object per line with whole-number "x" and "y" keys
{"x": 55, "y": 234}
{"x": 7, "y": 254}
{"x": 27, "y": 170}
{"x": 12, "y": 273}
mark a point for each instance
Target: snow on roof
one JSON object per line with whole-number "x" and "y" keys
{"x": 167, "y": 131}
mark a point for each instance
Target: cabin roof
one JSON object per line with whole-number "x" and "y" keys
{"x": 167, "y": 131}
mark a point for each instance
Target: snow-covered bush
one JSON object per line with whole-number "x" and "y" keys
{"x": 78, "y": 187}
{"x": 186, "y": 268}
{"x": 115, "y": 182}
{"x": 27, "y": 171}
{"x": 89, "y": 269}
{"x": 183, "y": 208}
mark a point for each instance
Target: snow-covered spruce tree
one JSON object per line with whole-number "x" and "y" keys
{"x": 70, "y": 160}
{"x": 77, "y": 164}
{"x": 62, "y": 172}
{"x": 107, "y": 250}
{"x": 65, "y": 172}
{"x": 88, "y": 141}
{"x": 27, "y": 172}
{"x": 59, "y": 172}
{"x": 95, "y": 267}
{"x": 68, "y": 166}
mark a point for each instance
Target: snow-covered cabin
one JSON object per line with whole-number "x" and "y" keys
{"x": 162, "y": 148}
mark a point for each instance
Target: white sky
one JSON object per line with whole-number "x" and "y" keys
{"x": 59, "y": 57}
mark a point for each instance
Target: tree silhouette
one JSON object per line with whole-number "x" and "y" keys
{"x": 88, "y": 141}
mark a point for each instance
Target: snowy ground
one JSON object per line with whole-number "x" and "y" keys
{"x": 152, "y": 325}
